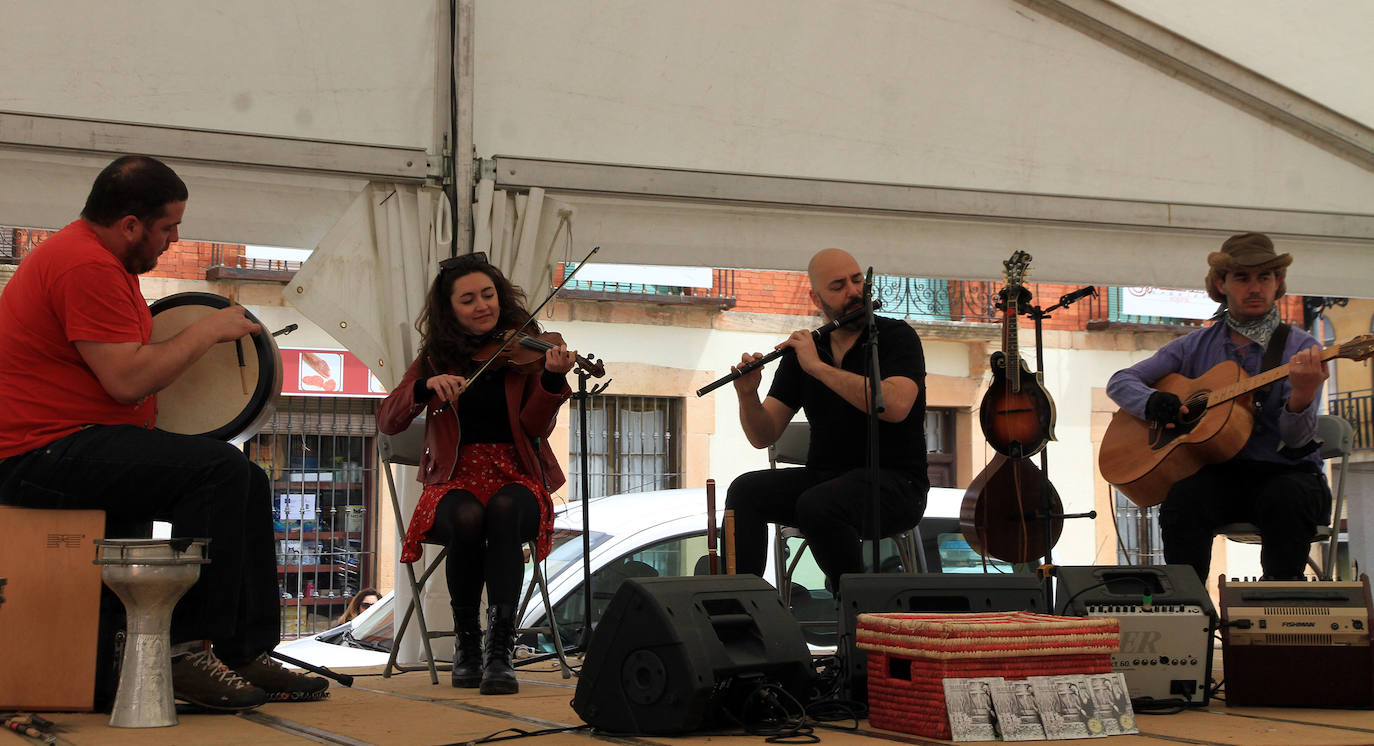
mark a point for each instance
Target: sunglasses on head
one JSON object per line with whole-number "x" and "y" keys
{"x": 462, "y": 261}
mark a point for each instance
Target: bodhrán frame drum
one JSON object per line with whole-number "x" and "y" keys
{"x": 208, "y": 398}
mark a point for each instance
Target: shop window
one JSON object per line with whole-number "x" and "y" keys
{"x": 320, "y": 454}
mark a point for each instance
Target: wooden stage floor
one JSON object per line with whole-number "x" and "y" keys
{"x": 407, "y": 710}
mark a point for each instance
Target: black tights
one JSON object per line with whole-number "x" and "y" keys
{"x": 485, "y": 543}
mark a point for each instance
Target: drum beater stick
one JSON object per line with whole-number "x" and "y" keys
{"x": 243, "y": 369}
{"x": 238, "y": 346}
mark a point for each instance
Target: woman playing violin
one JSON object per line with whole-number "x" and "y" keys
{"x": 487, "y": 469}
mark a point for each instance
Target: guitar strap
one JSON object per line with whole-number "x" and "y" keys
{"x": 1273, "y": 355}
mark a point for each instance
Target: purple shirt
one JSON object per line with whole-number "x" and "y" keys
{"x": 1198, "y": 352}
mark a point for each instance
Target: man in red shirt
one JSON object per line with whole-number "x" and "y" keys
{"x": 79, "y": 378}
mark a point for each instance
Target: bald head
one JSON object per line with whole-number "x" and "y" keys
{"x": 829, "y": 265}
{"x": 836, "y": 282}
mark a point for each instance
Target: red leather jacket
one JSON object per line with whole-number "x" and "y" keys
{"x": 533, "y": 412}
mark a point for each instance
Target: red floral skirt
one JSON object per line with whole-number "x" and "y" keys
{"x": 483, "y": 468}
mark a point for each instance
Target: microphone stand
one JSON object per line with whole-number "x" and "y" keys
{"x": 875, "y": 407}
{"x": 582, "y": 396}
{"x": 1045, "y": 513}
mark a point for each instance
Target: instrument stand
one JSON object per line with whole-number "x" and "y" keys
{"x": 873, "y": 374}
{"x": 1046, "y": 511}
{"x": 582, "y": 396}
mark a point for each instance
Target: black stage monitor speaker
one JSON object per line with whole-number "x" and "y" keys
{"x": 1166, "y": 620}
{"x": 670, "y": 654}
{"x": 923, "y": 593}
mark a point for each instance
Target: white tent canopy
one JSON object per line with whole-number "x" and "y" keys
{"x": 932, "y": 139}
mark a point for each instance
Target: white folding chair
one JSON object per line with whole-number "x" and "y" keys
{"x": 404, "y": 449}
{"x": 1337, "y": 438}
{"x": 791, "y": 448}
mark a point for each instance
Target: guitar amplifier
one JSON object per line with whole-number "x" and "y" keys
{"x": 1166, "y": 621}
{"x": 1297, "y": 643}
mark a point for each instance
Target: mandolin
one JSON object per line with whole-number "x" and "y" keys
{"x": 1144, "y": 460}
{"x": 1017, "y": 414}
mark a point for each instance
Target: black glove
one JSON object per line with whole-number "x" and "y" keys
{"x": 1162, "y": 408}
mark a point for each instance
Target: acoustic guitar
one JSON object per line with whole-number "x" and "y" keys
{"x": 1017, "y": 414}
{"x": 1144, "y": 460}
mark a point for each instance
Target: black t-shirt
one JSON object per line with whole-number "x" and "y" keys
{"x": 483, "y": 415}
{"x": 839, "y": 430}
{"x": 482, "y": 411}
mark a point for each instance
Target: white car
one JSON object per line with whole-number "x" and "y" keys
{"x": 643, "y": 534}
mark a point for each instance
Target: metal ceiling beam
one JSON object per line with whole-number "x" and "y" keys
{"x": 793, "y": 192}
{"x": 91, "y": 136}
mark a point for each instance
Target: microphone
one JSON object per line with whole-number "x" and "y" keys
{"x": 1078, "y": 294}
{"x": 868, "y": 285}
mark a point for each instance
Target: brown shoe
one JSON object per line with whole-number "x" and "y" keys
{"x": 280, "y": 684}
{"x": 201, "y": 679}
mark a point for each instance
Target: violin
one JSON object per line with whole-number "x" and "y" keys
{"x": 523, "y": 353}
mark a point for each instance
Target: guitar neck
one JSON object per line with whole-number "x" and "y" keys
{"x": 1245, "y": 386}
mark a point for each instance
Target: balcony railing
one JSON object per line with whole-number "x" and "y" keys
{"x": 924, "y": 299}
{"x": 1357, "y": 407}
{"x": 721, "y": 294}
{"x": 227, "y": 262}
{"x": 7, "y": 253}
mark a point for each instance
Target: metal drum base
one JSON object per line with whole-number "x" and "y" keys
{"x": 149, "y": 576}
{"x": 145, "y": 698}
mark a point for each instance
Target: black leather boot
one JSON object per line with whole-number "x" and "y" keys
{"x": 498, "y": 675}
{"x": 467, "y": 649}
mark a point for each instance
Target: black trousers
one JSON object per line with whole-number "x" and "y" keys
{"x": 832, "y": 508}
{"x": 203, "y": 487}
{"x": 1287, "y": 503}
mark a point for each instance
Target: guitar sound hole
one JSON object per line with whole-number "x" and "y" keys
{"x": 1197, "y": 407}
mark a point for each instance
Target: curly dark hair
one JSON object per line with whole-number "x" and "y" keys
{"x": 444, "y": 345}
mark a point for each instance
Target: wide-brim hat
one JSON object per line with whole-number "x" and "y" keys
{"x": 1248, "y": 251}
{"x": 1252, "y": 251}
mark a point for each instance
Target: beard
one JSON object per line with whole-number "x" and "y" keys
{"x": 142, "y": 258}
{"x": 854, "y": 324}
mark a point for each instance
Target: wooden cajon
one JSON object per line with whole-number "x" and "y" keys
{"x": 51, "y": 616}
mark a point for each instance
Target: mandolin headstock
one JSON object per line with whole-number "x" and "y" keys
{"x": 1016, "y": 268}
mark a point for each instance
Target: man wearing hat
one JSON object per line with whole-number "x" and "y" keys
{"x": 1275, "y": 482}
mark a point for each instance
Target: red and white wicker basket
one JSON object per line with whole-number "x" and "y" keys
{"x": 910, "y": 656}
